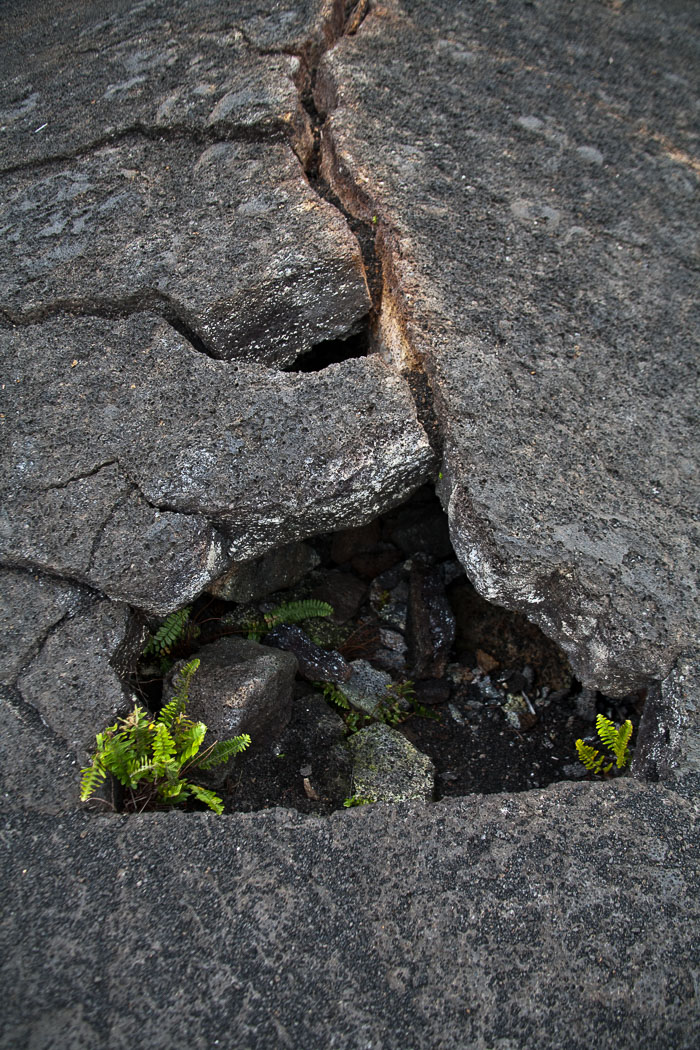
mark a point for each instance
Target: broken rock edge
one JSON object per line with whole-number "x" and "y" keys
{"x": 397, "y": 337}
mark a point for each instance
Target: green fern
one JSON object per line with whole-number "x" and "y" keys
{"x": 615, "y": 739}
{"x": 172, "y": 631}
{"x": 289, "y": 612}
{"x": 149, "y": 756}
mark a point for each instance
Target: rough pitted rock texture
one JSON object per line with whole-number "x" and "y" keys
{"x": 163, "y": 68}
{"x": 388, "y": 768}
{"x": 500, "y": 922}
{"x": 142, "y": 467}
{"x": 242, "y": 687}
{"x": 65, "y": 659}
{"x": 533, "y": 171}
{"x": 276, "y": 571}
{"x": 229, "y": 240}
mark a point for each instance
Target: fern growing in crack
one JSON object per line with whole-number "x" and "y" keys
{"x": 289, "y": 612}
{"x": 173, "y": 630}
{"x": 616, "y": 740}
{"x": 150, "y": 757}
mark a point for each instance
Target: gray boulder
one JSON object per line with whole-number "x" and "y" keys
{"x": 260, "y": 269}
{"x": 242, "y": 687}
{"x": 275, "y": 571}
{"x": 388, "y": 768}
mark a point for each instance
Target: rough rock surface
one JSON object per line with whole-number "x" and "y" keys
{"x": 65, "y": 658}
{"x": 533, "y": 178}
{"x": 276, "y": 571}
{"x": 142, "y": 467}
{"x": 163, "y": 68}
{"x": 503, "y": 922}
{"x": 259, "y": 269}
{"x": 242, "y": 687}
{"x": 388, "y": 768}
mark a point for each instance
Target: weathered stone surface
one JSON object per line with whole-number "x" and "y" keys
{"x": 431, "y": 623}
{"x": 161, "y": 68}
{"x": 507, "y": 921}
{"x": 139, "y": 466}
{"x": 275, "y": 571}
{"x": 388, "y": 768}
{"x": 315, "y": 664}
{"x": 366, "y": 687}
{"x": 242, "y": 687}
{"x": 31, "y": 606}
{"x": 533, "y": 176}
{"x": 229, "y": 240}
{"x": 36, "y": 772}
{"x": 76, "y": 680}
{"x": 668, "y": 748}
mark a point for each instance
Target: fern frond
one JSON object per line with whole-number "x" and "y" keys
{"x": 591, "y": 758}
{"x": 92, "y": 777}
{"x": 173, "y": 791}
{"x": 335, "y": 695}
{"x": 615, "y": 739}
{"x": 208, "y": 797}
{"x": 169, "y": 633}
{"x": 117, "y": 758}
{"x": 222, "y": 751}
{"x": 182, "y": 686}
{"x": 163, "y": 747}
{"x": 189, "y": 743}
{"x": 295, "y": 612}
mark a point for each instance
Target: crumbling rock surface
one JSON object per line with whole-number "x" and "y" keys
{"x": 533, "y": 181}
{"x": 142, "y": 468}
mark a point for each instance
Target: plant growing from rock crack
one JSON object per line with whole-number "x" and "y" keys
{"x": 288, "y": 612}
{"x": 616, "y": 740}
{"x": 150, "y": 757}
{"x": 175, "y": 628}
{"x": 396, "y": 706}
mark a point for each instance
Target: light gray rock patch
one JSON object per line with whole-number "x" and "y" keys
{"x": 366, "y": 687}
{"x": 388, "y": 768}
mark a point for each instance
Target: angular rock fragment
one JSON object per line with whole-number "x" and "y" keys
{"x": 388, "y": 768}
{"x": 36, "y": 772}
{"x": 431, "y": 622}
{"x": 242, "y": 687}
{"x": 143, "y": 468}
{"x": 545, "y": 285}
{"x": 275, "y": 571}
{"x": 31, "y": 606}
{"x": 366, "y": 687}
{"x": 229, "y": 241}
{"x": 315, "y": 664}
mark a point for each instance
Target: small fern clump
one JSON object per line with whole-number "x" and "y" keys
{"x": 289, "y": 612}
{"x": 616, "y": 740}
{"x": 149, "y": 756}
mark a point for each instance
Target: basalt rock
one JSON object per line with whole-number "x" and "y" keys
{"x": 534, "y": 201}
{"x": 143, "y": 468}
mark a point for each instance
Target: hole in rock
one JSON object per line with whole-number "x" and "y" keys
{"x": 482, "y": 692}
{"x": 333, "y": 351}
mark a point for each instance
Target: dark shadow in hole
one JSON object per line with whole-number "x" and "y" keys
{"x": 333, "y": 351}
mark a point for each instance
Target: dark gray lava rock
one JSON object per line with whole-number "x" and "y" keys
{"x": 315, "y": 664}
{"x": 171, "y": 67}
{"x": 275, "y": 571}
{"x": 431, "y": 626}
{"x": 76, "y": 681}
{"x": 142, "y": 467}
{"x": 229, "y": 240}
{"x": 242, "y": 687}
{"x": 535, "y": 202}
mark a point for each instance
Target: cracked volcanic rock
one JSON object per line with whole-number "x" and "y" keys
{"x": 170, "y": 67}
{"x": 538, "y": 245}
{"x": 143, "y": 468}
{"x": 229, "y": 240}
